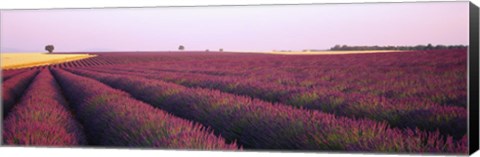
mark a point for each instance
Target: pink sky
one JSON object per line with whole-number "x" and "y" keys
{"x": 250, "y": 28}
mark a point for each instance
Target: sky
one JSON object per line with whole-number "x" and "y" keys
{"x": 234, "y": 28}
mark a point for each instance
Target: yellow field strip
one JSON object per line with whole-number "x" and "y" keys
{"x": 17, "y": 61}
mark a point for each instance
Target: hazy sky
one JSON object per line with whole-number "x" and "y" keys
{"x": 247, "y": 28}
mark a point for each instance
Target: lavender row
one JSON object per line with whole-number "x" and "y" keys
{"x": 42, "y": 117}
{"x": 439, "y": 76}
{"x": 110, "y": 58}
{"x": 261, "y": 125}
{"x": 293, "y": 70}
{"x": 13, "y": 88}
{"x": 112, "y": 118}
{"x": 403, "y": 113}
{"x": 7, "y": 74}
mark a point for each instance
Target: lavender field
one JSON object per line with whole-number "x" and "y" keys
{"x": 408, "y": 102}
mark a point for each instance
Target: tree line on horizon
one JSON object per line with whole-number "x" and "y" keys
{"x": 417, "y": 47}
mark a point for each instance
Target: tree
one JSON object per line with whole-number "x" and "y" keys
{"x": 181, "y": 47}
{"x": 221, "y": 50}
{"x": 429, "y": 47}
{"x": 49, "y": 48}
{"x": 336, "y": 47}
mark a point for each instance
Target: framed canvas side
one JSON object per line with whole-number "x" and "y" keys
{"x": 473, "y": 80}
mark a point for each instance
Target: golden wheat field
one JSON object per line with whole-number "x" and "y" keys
{"x": 23, "y": 60}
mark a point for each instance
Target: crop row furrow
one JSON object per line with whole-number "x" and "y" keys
{"x": 42, "y": 117}
{"x": 438, "y": 77}
{"x": 407, "y": 113}
{"x": 7, "y": 74}
{"x": 446, "y": 87}
{"x": 261, "y": 125}
{"x": 13, "y": 88}
{"x": 112, "y": 118}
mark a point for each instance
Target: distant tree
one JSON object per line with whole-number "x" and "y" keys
{"x": 429, "y": 47}
{"x": 336, "y": 47}
{"x": 181, "y": 47}
{"x": 221, "y": 50}
{"x": 207, "y": 50}
{"x": 49, "y": 48}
